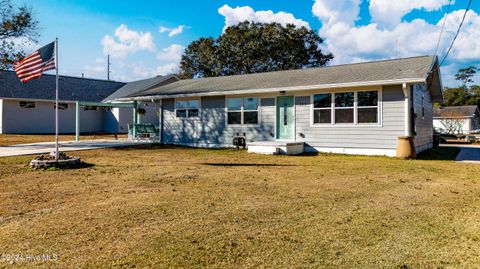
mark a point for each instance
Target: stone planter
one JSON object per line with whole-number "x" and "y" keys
{"x": 64, "y": 161}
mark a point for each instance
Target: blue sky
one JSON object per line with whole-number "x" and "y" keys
{"x": 354, "y": 30}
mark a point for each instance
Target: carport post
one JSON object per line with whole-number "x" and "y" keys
{"x": 77, "y": 121}
{"x": 135, "y": 119}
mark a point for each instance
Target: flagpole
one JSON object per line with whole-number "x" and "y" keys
{"x": 56, "y": 100}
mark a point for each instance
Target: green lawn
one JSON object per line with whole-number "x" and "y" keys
{"x": 167, "y": 207}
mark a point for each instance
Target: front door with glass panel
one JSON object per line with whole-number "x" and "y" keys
{"x": 285, "y": 117}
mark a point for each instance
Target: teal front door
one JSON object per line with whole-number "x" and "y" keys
{"x": 285, "y": 117}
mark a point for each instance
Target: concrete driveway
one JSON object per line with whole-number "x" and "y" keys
{"x": 468, "y": 153}
{"x": 47, "y": 147}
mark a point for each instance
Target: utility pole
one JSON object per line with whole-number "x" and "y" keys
{"x": 108, "y": 67}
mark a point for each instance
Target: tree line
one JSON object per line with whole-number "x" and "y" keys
{"x": 464, "y": 94}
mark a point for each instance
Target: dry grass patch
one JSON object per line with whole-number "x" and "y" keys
{"x": 176, "y": 207}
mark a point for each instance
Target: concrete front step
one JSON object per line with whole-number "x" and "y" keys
{"x": 276, "y": 147}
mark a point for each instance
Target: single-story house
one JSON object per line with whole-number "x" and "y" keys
{"x": 456, "y": 119}
{"x": 358, "y": 108}
{"x": 29, "y": 108}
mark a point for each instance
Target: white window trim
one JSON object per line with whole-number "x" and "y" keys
{"x": 187, "y": 99}
{"x": 355, "y": 111}
{"x": 34, "y": 105}
{"x": 242, "y": 110}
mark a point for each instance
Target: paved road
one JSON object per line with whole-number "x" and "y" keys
{"x": 468, "y": 153}
{"x": 39, "y": 148}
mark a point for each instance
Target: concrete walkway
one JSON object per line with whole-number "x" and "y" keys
{"x": 468, "y": 154}
{"x": 47, "y": 147}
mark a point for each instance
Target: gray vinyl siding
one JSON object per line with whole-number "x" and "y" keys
{"x": 211, "y": 128}
{"x": 423, "y": 123}
{"x": 357, "y": 136}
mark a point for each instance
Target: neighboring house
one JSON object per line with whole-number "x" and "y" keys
{"x": 456, "y": 119}
{"x": 29, "y": 108}
{"x": 357, "y": 108}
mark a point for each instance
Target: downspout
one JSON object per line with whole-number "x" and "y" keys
{"x": 405, "y": 144}
{"x": 407, "y": 110}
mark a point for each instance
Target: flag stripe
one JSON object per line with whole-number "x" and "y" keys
{"x": 34, "y": 65}
{"x": 30, "y": 68}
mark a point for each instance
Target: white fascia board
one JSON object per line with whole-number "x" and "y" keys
{"x": 37, "y": 100}
{"x": 294, "y": 88}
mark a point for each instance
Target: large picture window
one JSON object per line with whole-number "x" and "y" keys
{"x": 242, "y": 110}
{"x": 187, "y": 108}
{"x": 360, "y": 107}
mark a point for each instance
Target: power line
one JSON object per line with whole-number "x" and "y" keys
{"x": 443, "y": 26}
{"x": 458, "y": 32}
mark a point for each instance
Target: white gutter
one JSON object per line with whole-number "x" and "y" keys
{"x": 267, "y": 90}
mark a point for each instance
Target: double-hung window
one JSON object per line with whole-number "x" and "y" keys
{"x": 322, "y": 108}
{"x": 344, "y": 107}
{"x": 187, "y": 108}
{"x": 242, "y": 110}
{"x": 360, "y": 107}
{"x": 367, "y": 106}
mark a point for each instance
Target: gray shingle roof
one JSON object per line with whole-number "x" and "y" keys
{"x": 454, "y": 111}
{"x": 137, "y": 87}
{"x": 407, "y": 68}
{"x": 70, "y": 88}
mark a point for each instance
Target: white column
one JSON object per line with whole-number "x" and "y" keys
{"x": 77, "y": 121}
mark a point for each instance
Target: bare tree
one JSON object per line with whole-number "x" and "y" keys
{"x": 453, "y": 125}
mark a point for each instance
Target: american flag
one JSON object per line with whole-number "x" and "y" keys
{"x": 35, "y": 64}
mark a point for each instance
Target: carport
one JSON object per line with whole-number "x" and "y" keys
{"x": 79, "y": 104}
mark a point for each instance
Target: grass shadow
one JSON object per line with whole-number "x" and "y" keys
{"x": 247, "y": 164}
{"x": 439, "y": 154}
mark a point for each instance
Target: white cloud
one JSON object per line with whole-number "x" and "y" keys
{"x": 141, "y": 71}
{"x": 127, "y": 42}
{"x": 336, "y": 11}
{"x": 414, "y": 38}
{"x": 167, "y": 69}
{"x": 172, "y": 53}
{"x": 389, "y": 13}
{"x": 173, "y": 31}
{"x": 237, "y": 15}
{"x": 350, "y": 43}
